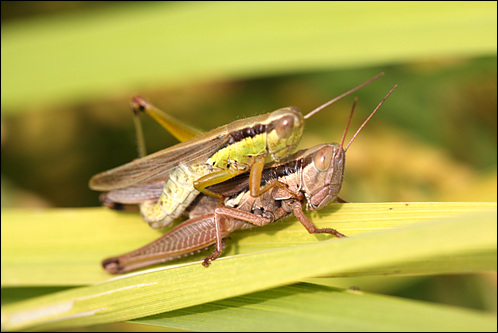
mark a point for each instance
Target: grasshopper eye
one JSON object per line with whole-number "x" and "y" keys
{"x": 323, "y": 158}
{"x": 285, "y": 126}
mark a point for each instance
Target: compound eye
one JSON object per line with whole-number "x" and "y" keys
{"x": 323, "y": 158}
{"x": 285, "y": 126}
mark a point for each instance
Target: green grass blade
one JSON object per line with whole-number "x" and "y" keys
{"x": 66, "y": 58}
{"x": 304, "y": 307}
{"x": 65, "y": 246}
{"x": 164, "y": 289}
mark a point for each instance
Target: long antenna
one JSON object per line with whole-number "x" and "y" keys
{"x": 323, "y": 106}
{"x": 371, "y": 115}
{"x": 349, "y": 121}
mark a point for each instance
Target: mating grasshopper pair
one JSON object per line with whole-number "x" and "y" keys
{"x": 263, "y": 196}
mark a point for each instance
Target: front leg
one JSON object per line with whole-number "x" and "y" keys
{"x": 312, "y": 229}
{"x": 255, "y": 170}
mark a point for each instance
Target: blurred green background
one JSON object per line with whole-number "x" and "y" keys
{"x": 70, "y": 68}
{"x": 65, "y": 93}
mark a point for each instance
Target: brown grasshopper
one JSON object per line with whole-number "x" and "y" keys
{"x": 313, "y": 175}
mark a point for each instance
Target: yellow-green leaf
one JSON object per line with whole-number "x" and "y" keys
{"x": 462, "y": 232}
{"x": 305, "y": 308}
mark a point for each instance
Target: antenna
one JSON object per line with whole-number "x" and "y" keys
{"x": 349, "y": 121}
{"x": 323, "y": 106}
{"x": 370, "y": 116}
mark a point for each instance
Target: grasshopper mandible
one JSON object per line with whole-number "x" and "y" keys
{"x": 313, "y": 175}
{"x": 165, "y": 183}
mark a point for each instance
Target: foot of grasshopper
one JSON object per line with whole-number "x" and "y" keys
{"x": 312, "y": 229}
{"x": 214, "y": 255}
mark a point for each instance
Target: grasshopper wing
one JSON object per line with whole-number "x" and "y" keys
{"x": 136, "y": 194}
{"x": 158, "y": 165}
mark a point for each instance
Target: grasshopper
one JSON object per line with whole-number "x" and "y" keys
{"x": 313, "y": 175}
{"x": 165, "y": 183}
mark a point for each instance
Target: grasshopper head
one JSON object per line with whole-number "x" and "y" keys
{"x": 283, "y": 132}
{"x": 322, "y": 175}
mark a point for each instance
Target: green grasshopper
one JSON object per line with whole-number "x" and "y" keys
{"x": 313, "y": 175}
{"x": 165, "y": 183}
